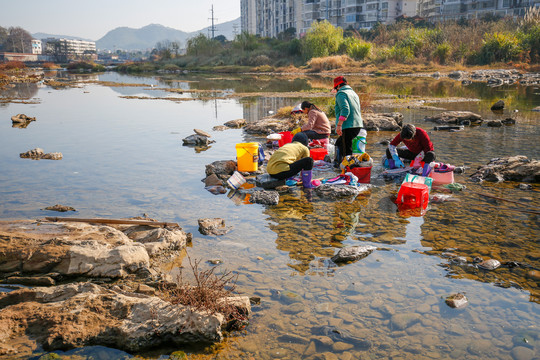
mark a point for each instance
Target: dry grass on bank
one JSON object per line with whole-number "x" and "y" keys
{"x": 206, "y": 292}
{"x": 328, "y": 63}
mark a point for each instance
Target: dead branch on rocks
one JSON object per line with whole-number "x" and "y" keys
{"x": 208, "y": 291}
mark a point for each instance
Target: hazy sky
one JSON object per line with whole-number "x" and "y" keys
{"x": 92, "y": 19}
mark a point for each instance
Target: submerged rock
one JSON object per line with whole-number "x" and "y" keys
{"x": 499, "y": 105}
{"x": 340, "y": 191}
{"x": 336, "y": 334}
{"x": 456, "y": 300}
{"x": 490, "y": 264}
{"x": 352, "y": 253}
{"x": 265, "y": 197}
{"x": 494, "y": 123}
{"x": 215, "y": 226}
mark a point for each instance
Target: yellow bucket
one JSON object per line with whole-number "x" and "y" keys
{"x": 247, "y": 156}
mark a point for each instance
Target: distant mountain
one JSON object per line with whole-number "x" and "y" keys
{"x": 40, "y": 36}
{"x": 125, "y": 38}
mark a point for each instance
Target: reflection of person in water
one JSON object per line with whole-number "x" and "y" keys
{"x": 308, "y": 231}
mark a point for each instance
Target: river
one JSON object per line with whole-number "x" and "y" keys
{"x": 123, "y": 156}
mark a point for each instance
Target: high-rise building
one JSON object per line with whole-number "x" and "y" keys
{"x": 248, "y": 16}
{"x": 440, "y": 10}
{"x": 271, "y": 17}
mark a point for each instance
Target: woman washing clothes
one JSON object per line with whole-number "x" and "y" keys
{"x": 290, "y": 159}
{"x": 318, "y": 125}
{"x": 417, "y": 142}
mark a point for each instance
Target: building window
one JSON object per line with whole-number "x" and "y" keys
{"x": 385, "y": 5}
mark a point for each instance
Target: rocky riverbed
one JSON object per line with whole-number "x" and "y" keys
{"x": 67, "y": 285}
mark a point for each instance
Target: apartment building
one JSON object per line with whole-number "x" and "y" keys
{"x": 36, "y": 47}
{"x": 272, "y": 17}
{"x": 268, "y": 18}
{"x": 275, "y": 16}
{"x": 248, "y": 16}
{"x": 440, "y": 10}
{"x": 68, "y": 49}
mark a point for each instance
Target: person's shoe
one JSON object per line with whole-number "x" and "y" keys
{"x": 306, "y": 179}
{"x": 426, "y": 170}
{"x": 446, "y": 168}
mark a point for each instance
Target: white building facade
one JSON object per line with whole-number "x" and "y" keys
{"x": 68, "y": 49}
{"x": 36, "y": 47}
{"x": 268, "y": 18}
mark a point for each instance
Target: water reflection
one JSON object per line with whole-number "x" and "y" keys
{"x": 394, "y": 298}
{"x": 19, "y": 91}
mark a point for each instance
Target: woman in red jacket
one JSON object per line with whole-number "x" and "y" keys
{"x": 417, "y": 141}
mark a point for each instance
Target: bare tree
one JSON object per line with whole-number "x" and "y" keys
{"x": 3, "y": 37}
{"x": 18, "y": 40}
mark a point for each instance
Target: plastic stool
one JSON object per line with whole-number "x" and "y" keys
{"x": 413, "y": 195}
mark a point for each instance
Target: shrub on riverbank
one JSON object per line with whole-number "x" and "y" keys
{"x": 404, "y": 44}
{"x": 85, "y": 66}
{"x": 12, "y": 65}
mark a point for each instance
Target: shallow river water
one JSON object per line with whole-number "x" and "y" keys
{"x": 124, "y": 157}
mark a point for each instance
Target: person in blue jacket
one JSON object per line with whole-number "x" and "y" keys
{"x": 348, "y": 118}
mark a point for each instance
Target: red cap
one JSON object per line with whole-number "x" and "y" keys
{"x": 338, "y": 81}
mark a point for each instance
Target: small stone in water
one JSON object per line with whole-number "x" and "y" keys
{"x": 490, "y": 264}
{"x": 456, "y": 301}
{"x": 215, "y": 261}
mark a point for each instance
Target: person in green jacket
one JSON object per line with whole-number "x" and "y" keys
{"x": 348, "y": 118}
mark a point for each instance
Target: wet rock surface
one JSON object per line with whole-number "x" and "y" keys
{"x": 265, "y": 197}
{"x": 38, "y": 153}
{"x": 197, "y": 140}
{"x": 383, "y": 121}
{"x": 80, "y": 314}
{"x": 22, "y": 118}
{"x": 456, "y": 301}
{"x": 455, "y": 117}
{"x": 352, "y": 253}
{"x": 128, "y": 316}
{"x": 514, "y": 168}
{"x": 60, "y": 208}
{"x": 340, "y": 191}
{"x": 235, "y": 123}
{"x": 270, "y": 125}
{"x": 215, "y": 226}
{"x": 222, "y": 169}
